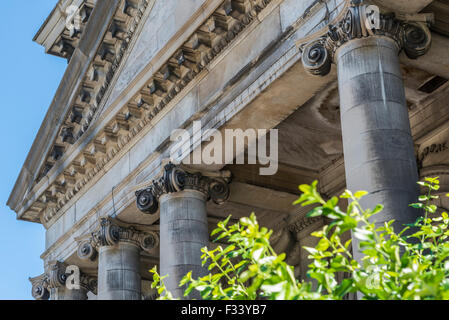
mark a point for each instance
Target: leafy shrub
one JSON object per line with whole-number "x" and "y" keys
{"x": 395, "y": 266}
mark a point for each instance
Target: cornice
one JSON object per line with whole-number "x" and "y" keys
{"x": 195, "y": 55}
{"x": 53, "y": 34}
{"x": 88, "y": 75}
{"x": 99, "y": 76}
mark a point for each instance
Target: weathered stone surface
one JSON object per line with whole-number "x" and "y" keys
{"x": 64, "y": 97}
{"x": 165, "y": 19}
{"x": 184, "y": 232}
{"x": 436, "y": 61}
{"x": 379, "y": 154}
{"x": 231, "y": 66}
{"x": 118, "y": 272}
{"x": 406, "y": 6}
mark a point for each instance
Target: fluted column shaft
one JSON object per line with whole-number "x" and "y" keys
{"x": 184, "y": 231}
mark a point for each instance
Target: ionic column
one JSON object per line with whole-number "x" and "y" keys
{"x": 378, "y": 145}
{"x": 182, "y": 198}
{"x": 118, "y": 250}
{"x": 76, "y": 291}
{"x": 54, "y": 285}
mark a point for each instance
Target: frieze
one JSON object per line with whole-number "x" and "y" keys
{"x": 301, "y": 224}
{"x": 434, "y": 148}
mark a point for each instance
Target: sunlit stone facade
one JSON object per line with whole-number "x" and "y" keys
{"x": 355, "y": 107}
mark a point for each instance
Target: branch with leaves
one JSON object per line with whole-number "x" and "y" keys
{"x": 394, "y": 265}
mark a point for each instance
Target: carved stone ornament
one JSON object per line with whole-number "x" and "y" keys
{"x": 89, "y": 283}
{"x": 109, "y": 233}
{"x": 54, "y": 278}
{"x": 57, "y": 276}
{"x": 86, "y": 251}
{"x": 175, "y": 179}
{"x": 298, "y": 225}
{"x": 39, "y": 289}
{"x": 363, "y": 20}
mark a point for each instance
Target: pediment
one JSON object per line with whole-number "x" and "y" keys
{"x": 86, "y": 142}
{"x": 95, "y": 82}
{"x": 164, "y": 20}
{"x": 92, "y": 66}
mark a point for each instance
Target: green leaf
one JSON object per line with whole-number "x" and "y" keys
{"x": 423, "y": 198}
{"x": 332, "y": 203}
{"x": 257, "y": 253}
{"x": 378, "y": 209}
{"x": 346, "y": 195}
{"x": 316, "y": 212}
{"x": 434, "y": 180}
{"x": 363, "y": 234}
{"x": 348, "y": 243}
{"x": 217, "y": 230}
{"x": 360, "y": 194}
{"x": 323, "y": 245}
{"x": 344, "y": 288}
{"x": 274, "y": 288}
{"x": 317, "y": 234}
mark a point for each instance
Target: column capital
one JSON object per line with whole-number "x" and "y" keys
{"x": 363, "y": 20}
{"x": 89, "y": 283}
{"x": 109, "y": 233}
{"x": 56, "y": 277}
{"x": 40, "y": 290}
{"x": 215, "y": 185}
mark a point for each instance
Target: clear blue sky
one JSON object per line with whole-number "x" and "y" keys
{"x": 28, "y": 81}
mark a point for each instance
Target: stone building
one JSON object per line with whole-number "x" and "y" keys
{"x": 360, "y": 101}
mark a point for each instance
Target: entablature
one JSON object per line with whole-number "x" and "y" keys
{"x": 215, "y": 34}
{"x": 94, "y": 152}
